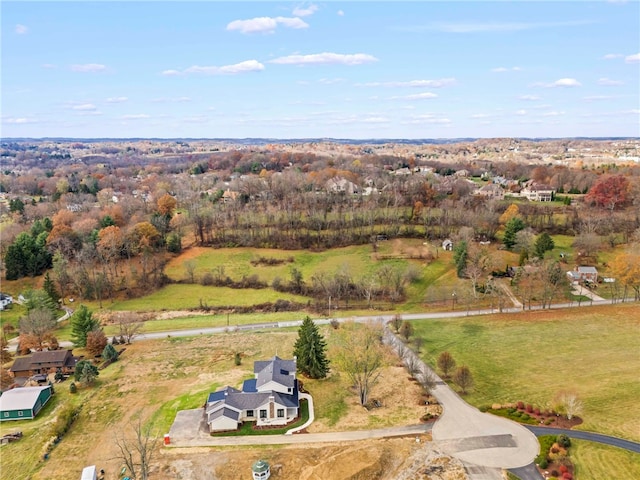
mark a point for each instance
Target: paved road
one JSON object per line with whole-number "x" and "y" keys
{"x": 477, "y": 439}
{"x": 591, "y": 436}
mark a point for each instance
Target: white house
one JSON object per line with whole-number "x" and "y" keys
{"x": 537, "y": 192}
{"x": 269, "y": 399}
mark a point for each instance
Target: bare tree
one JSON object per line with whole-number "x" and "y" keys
{"x": 136, "y": 452}
{"x": 426, "y": 379}
{"x": 130, "y": 324}
{"x": 413, "y": 365}
{"x": 446, "y": 363}
{"x": 463, "y": 378}
{"x": 359, "y": 353}
{"x": 570, "y": 403}
{"x": 35, "y": 326}
{"x": 190, "y": 268}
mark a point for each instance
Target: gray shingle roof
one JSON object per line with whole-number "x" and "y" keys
{"x": 226, "y": 412}
{"x": 277, "y": 370}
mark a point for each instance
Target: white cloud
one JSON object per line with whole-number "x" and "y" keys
{"x": 135, "y": 116}
{"x": 505, "y": 69}
{"x": 375, "y": 119}
{"x": 607, "y": 82}
{"x": 552, "y": 114}
{"x": 611, "y": 56}
{"x": 19, "y": 120}
{"x": 562, "y": 82}
{"x": 84, "y": 107}
{"x": 330, "y": 81}
{"x": 22, "y": 29}
{"x": 428, "y": 118}
{"x": 265, "y": 24}
{"x": 521, "y": 112}
{"x": 89, "y": 68}
{"x": 49, "y": 65}
{"x": 305, "y": 11}
{"x": 340, "y": 13}
{"x": 325, "y": 58}
{"x": 566, "y": 82}
{"x": 480, "y": 115}
{"x": 442, "y": 82}
{"x": 116, "y": 99}
{"x": 242, "y": 67}
{"x": 418, "y": 96}
{"x": 632, "y": 58}
{"x": 529, "y": 98}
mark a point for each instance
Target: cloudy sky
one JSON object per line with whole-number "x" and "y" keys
{"x": 324, "y": 69}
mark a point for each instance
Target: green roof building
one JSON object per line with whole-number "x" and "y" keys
{"x": 261, "y": 470}
{"x": 24, "y": 403}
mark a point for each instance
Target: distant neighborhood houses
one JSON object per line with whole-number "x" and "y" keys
{"x": 583, "y": 274}
{"x": 269, "y": 399}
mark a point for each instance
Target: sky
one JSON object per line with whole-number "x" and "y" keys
{"x": 360, "y": 70}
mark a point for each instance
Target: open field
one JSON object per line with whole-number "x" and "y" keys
{"x": 534, "y": 355}
{"x": 154, "y": 379}
{"x": 596, "y": 462}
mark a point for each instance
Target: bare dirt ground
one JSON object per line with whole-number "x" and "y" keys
{"x": 151, "y": 374}
{"x": 390, "y": 459}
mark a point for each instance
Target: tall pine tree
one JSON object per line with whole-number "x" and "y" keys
{"x": 82, "y": 322}
{"x": 310, "y": 350}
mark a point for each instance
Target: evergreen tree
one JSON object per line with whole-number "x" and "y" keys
{"x": 85, "y": 372}
{"x": 460, "y": 257}
{"x": 82, "y": 322}
{"x": 110, "y": 353}
{"x": 544, "y": 243}
{"x": 512, "y": 227}
{"x": 50, "y": 288}
{"x": 310, "y": 350}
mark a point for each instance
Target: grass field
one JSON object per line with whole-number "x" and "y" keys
{"x": 597, "y": 462}
{"x": 531, "y": 357}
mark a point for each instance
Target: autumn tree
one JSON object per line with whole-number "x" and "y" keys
{"x": 96, "y": 341}
{"x": 310, "y": 350}
{"x": 609, "y": 192}
{"x": 5, "y": 354}
{"x": 359, "y": 353}
{"x": 512, "y": 211}
{"x": 166, "y": 205}
{"x": 625, "y": 268}
{"x": 446, "y": 363}
{"x": 462, "y": 377}
{"x": 6, "y": 380}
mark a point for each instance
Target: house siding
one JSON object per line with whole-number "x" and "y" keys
{"x": 27, "y": 413}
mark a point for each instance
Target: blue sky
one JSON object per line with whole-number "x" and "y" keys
{"x": 320, "y": 69}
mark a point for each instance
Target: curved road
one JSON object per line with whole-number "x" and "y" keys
{"x": 590, "y": 436}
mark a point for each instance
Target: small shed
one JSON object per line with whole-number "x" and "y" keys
{"x": 89, "y": 473}
{"x": 24, "y": 403}
{"x": 447, "y": 245}
{"x": 261, "y": 470}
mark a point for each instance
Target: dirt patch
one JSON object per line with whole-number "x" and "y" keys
{"x": 390, "y": 459}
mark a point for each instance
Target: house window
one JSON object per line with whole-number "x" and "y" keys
{"x": 281, "y": 413}
{"x": 20, "y": 413}
{"x": 263, "y": 414}
{"x": 250, "y": 413}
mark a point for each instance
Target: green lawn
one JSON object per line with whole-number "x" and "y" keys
{"x": 530, "y": 357}
{"x": 597, "y": 462}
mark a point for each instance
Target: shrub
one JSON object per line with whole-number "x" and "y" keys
{"x": 563, "y": 469}
{"x": 536, "y": 411}
{"x": 567, "y": 476}
{"x": 237, "y": 359}
{"x": 554, "y": 473}
{"x": 548, "y": 421}
{"x": 207, "y": 279}
{"x": 529, "y": 408}
{"x": 511, "y": 410}
{"x": 483, "y": 408}
{"x": 73, "y": 388}
{"x": 543, "y": 463}
{"x": 335, "y": 324}
{"x": 564, "y": 441}
{"x": 555, "y": 449}
{"x": 520, "y": 405}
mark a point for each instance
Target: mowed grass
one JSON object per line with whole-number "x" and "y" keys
{"x": 532, "y": 356}
{"x": 596, "y": 462}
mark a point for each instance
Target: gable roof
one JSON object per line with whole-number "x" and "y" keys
{"x": 21, "y": 364}
{"x": 21, "y": 398}
{"x": 587, "y": 269}
{"x": 276, "y": 370}
{"x": 62, "y": 357}
{"x": 225, "y": 412}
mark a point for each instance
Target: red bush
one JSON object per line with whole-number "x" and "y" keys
{"x": 529, "y": 408}
{"x": 536, "y": 411}
{"x": 567, "y": 476}
{"x": 563, "y": 469}
{"x": 520, "y": 405}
